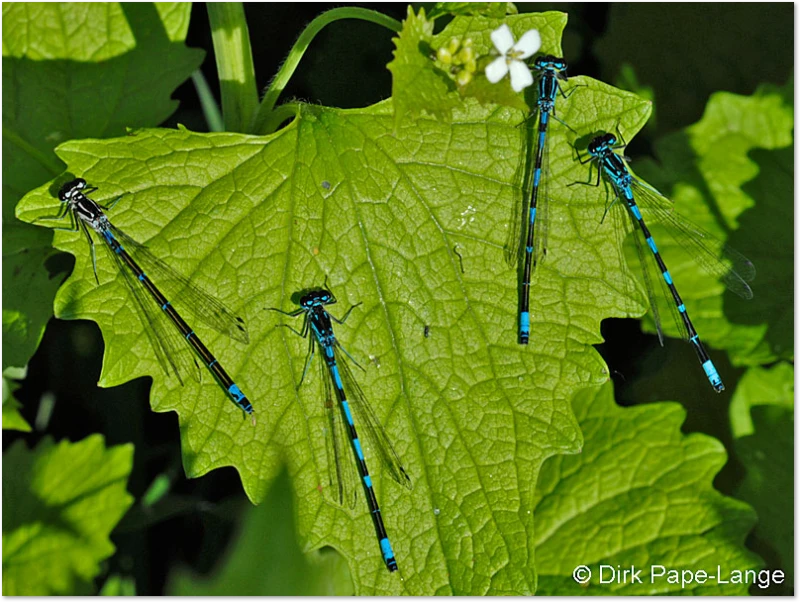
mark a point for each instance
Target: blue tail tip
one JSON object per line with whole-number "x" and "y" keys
{"x": 388, "y": 555}
{"x": 713, "y": 376}
{"x": 524, "y": 327}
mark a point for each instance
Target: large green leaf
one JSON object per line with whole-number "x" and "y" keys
{"x": 384, "y": 212}
{"x": 73, "y": 70}
{"x": 60, "y": 502}
{"x": 265, "y": 559}
{"x": 639, "y": 495}
{"x": 707, "y": 171}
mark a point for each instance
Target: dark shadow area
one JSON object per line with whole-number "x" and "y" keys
{"x": 687, "y": 50}
{"x": 766, "y": 236}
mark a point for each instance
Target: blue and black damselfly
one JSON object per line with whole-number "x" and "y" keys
{"x": 710, "y": 253}
{"x": 173, "y": 355}
{"x": 352, "y": 407}
{"x": 550, "y": 69}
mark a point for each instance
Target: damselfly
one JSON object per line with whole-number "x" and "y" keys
{"x": 550, "y": 70}
{"x": 704, "y": 248}
{"x": 172, "y": 354}
{"x": 352, "y": 407}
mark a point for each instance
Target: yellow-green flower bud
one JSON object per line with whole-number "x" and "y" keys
{"x": 453, "y": 45}
{"x": 465, "y": 55}
{"x": 444, "y": 55}
{"x": 463, "y": 78}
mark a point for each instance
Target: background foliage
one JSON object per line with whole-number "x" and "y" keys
{"x": 179, "y": 529}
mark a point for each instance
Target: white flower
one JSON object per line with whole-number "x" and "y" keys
{"x": 513, "y": 56}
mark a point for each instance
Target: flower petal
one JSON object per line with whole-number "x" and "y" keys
{"x": 496, "y": 70}
{"x": 502, "y": 38}
{"x": 528, "y": 44}
{"x": 521, "y": 76}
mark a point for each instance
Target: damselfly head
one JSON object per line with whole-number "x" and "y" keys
{"x": 601, "y": 145}
{"x": 69, "y": 189}
{"x": 317, "y": 297}
{"x": 550, "y": 63}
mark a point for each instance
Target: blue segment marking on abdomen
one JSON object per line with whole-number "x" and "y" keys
{"x": 386, "y": 548}
{"x": 357, "y": 446}
{"x": 235, "y": 392}
{"x": 336, "y": 378}
{"x": 346, "y": 408}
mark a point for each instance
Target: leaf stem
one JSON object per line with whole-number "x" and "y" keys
{"x": 234, "y": 58}
{"x": 263, "y": 119}
{"x": 208, "y": 102}
{"x": 281, "y": 113}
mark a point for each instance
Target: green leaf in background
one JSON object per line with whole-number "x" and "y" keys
{"x": 265, "y": 560}
{"x": 640, "y": 493}
{"x": 379, "y": 210}
{"x": 719, "y": 50}
{"x": 762, "y": 420}
{"x": 60, "y": 502}
{"x": 495, "y": 10}
{"x": 92, "y": 70}
{"x": 12, "y": 419}
{"x": 703, "y": 170}
{"x": 760, "y": 386}
{"x": 73, "y": 70}
{"x": 628, "y": 80}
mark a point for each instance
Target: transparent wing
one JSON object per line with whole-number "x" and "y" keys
{"x": 342, "y": 472}
{"x": 513, "y": 247}
{"x": 715, "y": 257}
{"x": 368, "y": 424}
{"x": 541, "y": 225}
{"x": 515, "y": 243}
{"x": 625, "y": 225}
{"x": 651, "y": 271}
{"x": 171, "y": 350}
{"x": 201, "y": 304}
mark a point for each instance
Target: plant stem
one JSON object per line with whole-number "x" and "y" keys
{"x": 208, "y": 102}
{"x": 234, "y": 58}
{"x": 281, "y": 113}
{"x": 263, "y": 119}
